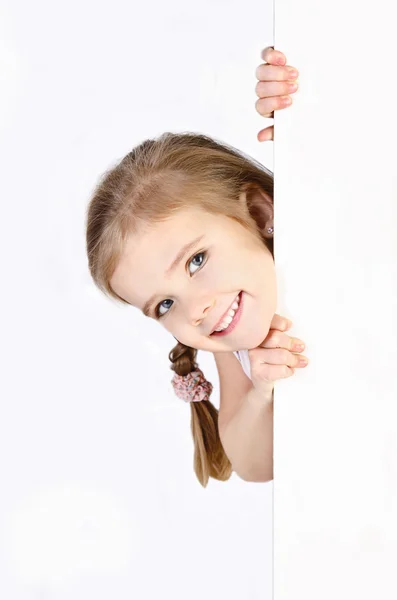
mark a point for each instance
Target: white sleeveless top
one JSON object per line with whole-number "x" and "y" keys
{"x": 242, "y": 356}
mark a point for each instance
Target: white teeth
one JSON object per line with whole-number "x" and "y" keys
{"x": 226, "y": 321}
{"x": 229, "y": 318}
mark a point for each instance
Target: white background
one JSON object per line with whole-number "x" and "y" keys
{"x": 98, "y": 495}
{"x": 335, "y": 465}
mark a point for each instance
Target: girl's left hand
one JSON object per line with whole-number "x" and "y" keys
{"x": 275, "y": 84}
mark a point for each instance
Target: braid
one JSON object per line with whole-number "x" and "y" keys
{"x": 210, "y": 459}
{"x": 183, "y": 359}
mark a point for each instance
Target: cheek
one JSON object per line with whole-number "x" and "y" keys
{"x": 228, "y": 264}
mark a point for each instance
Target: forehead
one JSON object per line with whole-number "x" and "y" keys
{"x": 177, "y": 226}
{"x": 149, "y": 252}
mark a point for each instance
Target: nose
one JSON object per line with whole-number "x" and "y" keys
{"x": 200, "y": 311}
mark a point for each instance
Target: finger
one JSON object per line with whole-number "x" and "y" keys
{"x": 275, "y": 356}
{"x": 266, "y": 89}
{"x": 273, "y": 57}
{"x": 278, "y": 339}
{"x": 272, "y": 373}
{"x": 280, "y": 323}
{"x": 266, "y": 134}
{"x": 268, "y": 375}
{"x": 275, "y": 73}
{"x": 265, "y": 106}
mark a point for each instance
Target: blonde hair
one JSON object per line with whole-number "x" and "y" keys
{"x": 153, "y": 181}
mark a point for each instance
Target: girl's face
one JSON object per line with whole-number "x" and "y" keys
{"x": 190, "y": 297}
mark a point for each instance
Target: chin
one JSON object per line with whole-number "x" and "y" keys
{"x": 259, "y": 315}
{"x": 253, "y": 338}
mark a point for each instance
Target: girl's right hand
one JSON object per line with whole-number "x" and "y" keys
{"x": 273, "y": 88}
{"x": 274, "y": 358}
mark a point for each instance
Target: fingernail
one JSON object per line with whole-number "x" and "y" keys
{"x": 293, "y": 73}
{"x": 303, "y": 361}
{"x": 298, "y": 347}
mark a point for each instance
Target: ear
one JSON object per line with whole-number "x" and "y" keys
{"x": 259, "y": 205}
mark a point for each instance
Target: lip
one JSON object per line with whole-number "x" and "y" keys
{"x": 233, "y": 323}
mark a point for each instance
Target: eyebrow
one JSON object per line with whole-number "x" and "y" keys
{"x": 181, "y": 254}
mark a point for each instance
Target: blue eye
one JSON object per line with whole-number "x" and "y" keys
{"x": 199, "y": 254}
{"x": 157, "y": 309}
{"x": 158, "y": 314}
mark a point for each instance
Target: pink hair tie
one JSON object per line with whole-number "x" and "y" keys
{"x": 192, "y": 387}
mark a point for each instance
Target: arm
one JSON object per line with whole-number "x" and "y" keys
{"x": 247, "y": 438}
{"x": 245, "y": 421}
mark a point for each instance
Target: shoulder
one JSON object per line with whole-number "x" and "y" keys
{"x": 234, "y": 384}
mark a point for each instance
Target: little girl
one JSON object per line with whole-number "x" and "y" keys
{"x": 182, "y": 229}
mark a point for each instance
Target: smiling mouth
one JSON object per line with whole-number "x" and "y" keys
{"x": 236, "y": 317}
